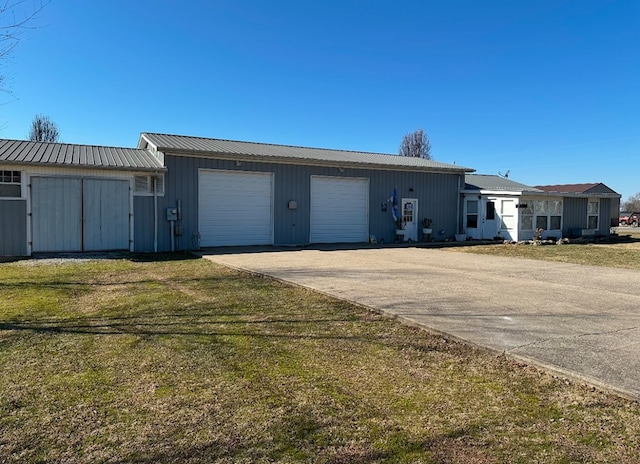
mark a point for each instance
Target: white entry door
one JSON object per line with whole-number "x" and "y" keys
{"x": 489, "y": 219}
{"x": 410, "y": 219}
{"x": 508, "y": 218}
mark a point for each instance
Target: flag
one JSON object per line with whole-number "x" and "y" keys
{"x": 394, "y": 205}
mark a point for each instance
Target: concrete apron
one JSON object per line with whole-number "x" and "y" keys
{"x": 579, "y": 321}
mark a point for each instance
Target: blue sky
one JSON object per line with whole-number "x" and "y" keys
{"x": 548, "y": 90}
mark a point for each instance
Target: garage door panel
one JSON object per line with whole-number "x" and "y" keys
{"x": 339, "y": 210}
{"x": 235, "y": 208}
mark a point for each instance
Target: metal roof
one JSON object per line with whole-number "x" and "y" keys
{"x": 493, "y": 182}
{"x": 81, "y": 156}
{"x": 180, "y": 144}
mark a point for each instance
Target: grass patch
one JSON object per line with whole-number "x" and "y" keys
{"x": 618, "y": 255}
{"x": 188, "y": 361}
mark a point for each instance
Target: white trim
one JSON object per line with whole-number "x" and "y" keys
{"x": 415, "y": 233}
{"x": 597, "y": 201}
{"x": 21, "y": 184}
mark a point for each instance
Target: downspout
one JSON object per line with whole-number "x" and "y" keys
{"x": 155, "y": 214}
{"x": 458, "y": 218}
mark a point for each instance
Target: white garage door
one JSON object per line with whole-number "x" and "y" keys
{"x": 339, "y": 210}
{"x": 235, "y": 208}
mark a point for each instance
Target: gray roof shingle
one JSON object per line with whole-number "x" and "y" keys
{"x": 85, "y": 156}
{"x": 180, "y": 144}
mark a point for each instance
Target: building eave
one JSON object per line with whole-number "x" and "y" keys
{"x": 308, "y": 162}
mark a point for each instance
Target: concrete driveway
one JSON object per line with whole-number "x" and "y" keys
{"x": 581, "y": 321}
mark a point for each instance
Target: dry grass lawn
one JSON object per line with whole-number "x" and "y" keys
{"x": 182, "y": 360}
{"x": 624, "y": 255}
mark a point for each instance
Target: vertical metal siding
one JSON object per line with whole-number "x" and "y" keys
{"x": 614, "y": 212}
{"x": 604, "y": 224}
{"x": 143, "y": 224}
{"x": 437, "y": 194}
{"x": 13, "y": 228}
{"x": 574, "y": 214}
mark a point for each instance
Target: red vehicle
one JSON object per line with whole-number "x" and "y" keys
{"x": 629, "y": 219}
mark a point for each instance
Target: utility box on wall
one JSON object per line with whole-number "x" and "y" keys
{"x": 172, "y": 214}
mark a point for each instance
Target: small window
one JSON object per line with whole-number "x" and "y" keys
{"x": 555, "y": 222}
{"x": 10, "y": 184}
{"x": 593, "y": 212}
{"x": 541, "y": 222}
{"x": 472, "y": 214}
{"x": 407, "y": 214}
{"x": 491, "y": 211}
{"x": 147, "y": 185}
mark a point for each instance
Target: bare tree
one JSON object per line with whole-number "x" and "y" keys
{"x": 416, "y": 144}
{"x": 15, "y": 18}
{"x": 43, "y": 129}
{"x": 632, "y": 204}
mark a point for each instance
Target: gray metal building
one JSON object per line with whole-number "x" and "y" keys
{"x": 229, "y": 193}
{"x": 181, "y": 193}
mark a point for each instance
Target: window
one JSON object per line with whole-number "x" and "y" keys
{"x": 541, "y": 222}
{"x": 145, "y": 185}
{"x": 491, "y": 211}
{"x": 541, "y": 214}
{"x": 407, "y": 214}
{"x": 10, "y": 184}
{"x": 555, "y": 214}
{"x": 472, "y": 214}
{"x": 593, "y": 212}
